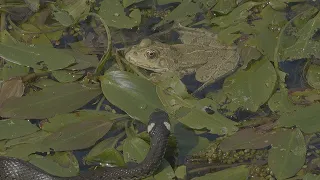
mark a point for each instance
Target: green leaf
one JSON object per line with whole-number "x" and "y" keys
{"x": 182, "y": 14}
{"x": 135, "y": 149}
{"x": 62, "y": 120}
{"x": 127, "y": 3}
{"x": 288, "y": 154}
{"x": 11, "y": 70}
{"x": 307, "y": 119}
{"x": 313, "y": 76}
{"x": 165, "y": 171}
{"x": 49, "y": 101}
{"x": 224, "y": 6}
{"x": 78, "y": 135}
{"x": 30, "y": 144}
{"x": 113, "y": 14}
{"x": 13, "y": 128}
{"x": 252, "y": 88}
{"x": 62, "y": 164}
{"x": 309, "y": 176}
{"x": 232, "y": 33}
{"x": 105, "y": 153}
{"x": 134, "y": 95}
{"x": 238, "y": 173}
{"x": 247, "y": 139}
{"x": 66, "y": 76}
{"x": 38, "y": 57}
{"x": 305, "y": 47}
{"x": 238, "y": 15}
{"x": 280, "y": 103}
{"x": 181, "y": 172}
{"x": 197, "y": 118}
{"x": 11, "y": 88}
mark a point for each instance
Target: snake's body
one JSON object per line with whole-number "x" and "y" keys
{"x": 159, "y": 131}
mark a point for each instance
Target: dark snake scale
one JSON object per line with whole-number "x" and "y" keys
{"x": 159, "y": 131}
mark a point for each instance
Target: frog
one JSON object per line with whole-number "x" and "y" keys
{"x": 208, "y": 58}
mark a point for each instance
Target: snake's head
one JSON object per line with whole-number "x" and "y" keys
{"x": 159, "y": 123}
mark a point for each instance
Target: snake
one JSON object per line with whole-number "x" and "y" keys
{"x": 158, "y": 128}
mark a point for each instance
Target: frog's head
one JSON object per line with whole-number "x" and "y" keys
{"x": 151, "y": 55}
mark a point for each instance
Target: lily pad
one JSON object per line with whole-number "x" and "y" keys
{"x": 49, "y": 102}
{"x": 135, "y": 95}
{"x": 288, "y": 153}
{"x": 11, "y": 70}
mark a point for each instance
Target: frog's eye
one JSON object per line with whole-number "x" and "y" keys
{"x": 151, "y": 54}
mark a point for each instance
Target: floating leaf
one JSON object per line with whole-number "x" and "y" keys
{"x": 197, "y": 118}
{"x": 30, "y": 144}
{"x": 313, "y": 76}
{"x": 11, "y": 70}
{"x": 13, "y": 128}
{"x": 252, "y": 88}
{"x": 239, "y": 173}
{"x": 238, "y": 15}
{"x": 49, "y": 102}
{"x": 66, "y": 76}
{"x": 183, "y": 14}
{"x": 133, "y": 94}
{"x": 247, "y": 139}
{"x": 113, "y": 14}
{"x": 181, "y": 172}
{"x": 225, "y": 6}
{"x": 38, "y": 57}
{"x": 309, "y": 176}
{"x": 62, "y": 164}
{"x": 105, "y": 153}
{"x": 11, "y": 88}
{"x": 78, "y": 135}
{"x": 305, "y": 46}
{"x": 307, "y": 119}
{"x": 280, "y": 103}
{"x": 62, "y": 120}
{"x": 288, "y": 154}
{"x": 135, "y": 150}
